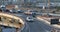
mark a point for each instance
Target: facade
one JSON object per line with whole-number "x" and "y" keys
{"x": 5, "y": 2}
{"x": 54, "y": 0}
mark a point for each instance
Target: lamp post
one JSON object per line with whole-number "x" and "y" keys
{"x": 48, "y": 4}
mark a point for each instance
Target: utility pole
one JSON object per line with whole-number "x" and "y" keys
{"x": 48, "y": 4}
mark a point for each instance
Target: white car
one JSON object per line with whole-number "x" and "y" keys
{"x": 2, "y": 6}
{"x": 12, "y": 11}
{"x": 30, "y": 19}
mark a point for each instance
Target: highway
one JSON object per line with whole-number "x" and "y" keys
{"x": 36, "y": 26}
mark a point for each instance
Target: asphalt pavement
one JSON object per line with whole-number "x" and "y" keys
{"x": 36, "y": 26}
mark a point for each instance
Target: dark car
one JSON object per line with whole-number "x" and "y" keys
{"x": 20, "y": 11}
{"x": 34, "y": 11}
{"x": 7, "y": 10}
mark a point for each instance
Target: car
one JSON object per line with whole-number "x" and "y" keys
{"x": 3, "y": 8}
{"x": 31, "y": 12}
{"x": 30, "y": 19}
{"x": 34, "y": 11}
{"x": 7, "y": 10}
{"x": 13, "y": 11}
{"x": 10, "y": 11}
{"x": 27, "y": 12}
{"x": 0, "y": 10}
{"x": 19, "y": 11}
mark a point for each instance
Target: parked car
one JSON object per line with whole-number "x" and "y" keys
{"x": 3, "y": 8}
{"x": 13, "y": 10}
{"x": 0, "y": 10}
{"x": 20, "y": 11}
{"x": 7, "y": 10}
{"x": 34, "y": 11}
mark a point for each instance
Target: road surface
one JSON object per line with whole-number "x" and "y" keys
{"x": 36, "y": 26}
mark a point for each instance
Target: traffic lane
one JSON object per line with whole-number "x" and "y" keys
{"x": 18, "y": 14}
{"x": 26, "y": 28}
{"x": 41, "y": 25}
{"x": 37, "y": 26}
{"x": 46, "y": 26}
{"x": 24, "y": 16}
{"x": 56, "y": 28}
{"x": 30, "y": 26}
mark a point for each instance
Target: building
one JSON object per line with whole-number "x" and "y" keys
{"x": 18, "y": 2}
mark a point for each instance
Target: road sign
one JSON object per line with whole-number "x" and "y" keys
{"x": 54, "y": 21}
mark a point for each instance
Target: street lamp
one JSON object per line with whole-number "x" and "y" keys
{"x": 48, "y": 4}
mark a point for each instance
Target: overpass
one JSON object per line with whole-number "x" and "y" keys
{"x": 11, "y": 20}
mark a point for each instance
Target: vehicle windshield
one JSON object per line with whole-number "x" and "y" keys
{"x": 30, "y": 17}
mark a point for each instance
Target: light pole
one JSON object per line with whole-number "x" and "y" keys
{"x": 48, "y": 4}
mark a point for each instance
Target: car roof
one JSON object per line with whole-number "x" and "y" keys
{"x": 30, "y": 17}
